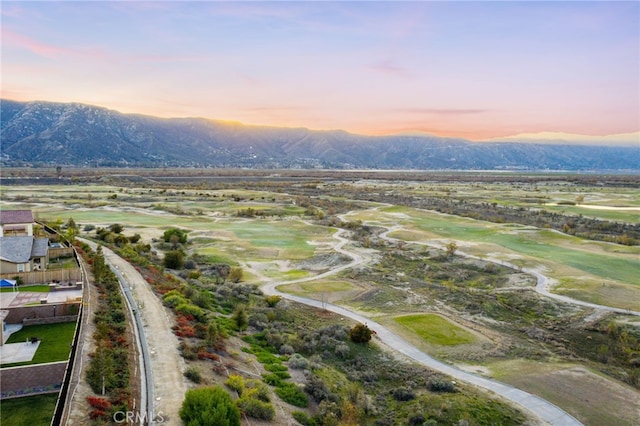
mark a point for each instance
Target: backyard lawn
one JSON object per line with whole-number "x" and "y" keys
{"x": 28, "y": 411}
{"x": 55, "y": 342}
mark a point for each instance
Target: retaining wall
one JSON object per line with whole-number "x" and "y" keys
{"x": 31, "y": 379}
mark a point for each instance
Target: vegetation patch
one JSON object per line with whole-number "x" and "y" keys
{"x": 28, "y": 411}
{"x": 436, "y": 329}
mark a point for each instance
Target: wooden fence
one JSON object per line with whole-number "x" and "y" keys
{"x": 71, "y": 275}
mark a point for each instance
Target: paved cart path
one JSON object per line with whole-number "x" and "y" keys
{"x": 536, "y": 406}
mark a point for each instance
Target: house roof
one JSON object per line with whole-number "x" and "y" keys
{"x": 40, "y": 247}
{"x": 15, "y": 216}
{"x": 16, "y": 249}
{"x": 22, "y": 249}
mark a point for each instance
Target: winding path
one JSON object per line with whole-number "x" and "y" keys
{"x": 538, "y": 407}
{"x": 543, "y": 282}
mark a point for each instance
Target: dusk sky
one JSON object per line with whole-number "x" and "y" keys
{"x": 475, "y": 70}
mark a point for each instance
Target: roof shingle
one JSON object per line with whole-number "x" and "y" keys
{"x": 15, "y": 216}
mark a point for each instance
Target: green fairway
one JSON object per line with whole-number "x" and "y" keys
{"x": 29, "y": 410}
{"x": 55, "y": 344}
{"x": 435, "y": 329}
{"x": 529, "y": 241}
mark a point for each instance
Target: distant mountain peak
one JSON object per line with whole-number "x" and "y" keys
{"x": 619, "y": 139}
{"x": 84, "y": 135}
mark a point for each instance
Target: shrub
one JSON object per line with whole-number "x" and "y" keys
{"x": 275, "y": 367}
{"x": 291, "y": 394}
{"x": 240, "y": 318}
{"x": 173, "y": 300}
{"x": 437, "y": 385}
{"x": 257, "y": 409}
{"x": 173, "y": 259}
{"x": 193, "y": 374}
{"x": 286, "y": 349}
{"x": 209, "y": 406}
{"x": 403, "y": 394}
{"x": 272, "y": 301}
{"x": 272, "y": 379}
{"x": 189, "y": 309}
{"x": 258, "y": 390}
{"x": 298, "y": 362}
{"x": 318, "y": 389}
{"x": 360, "y": 333}
{"x": 342, "y": 350}
{"x": 236, "y": 383}
{"x": 303, "y": 418}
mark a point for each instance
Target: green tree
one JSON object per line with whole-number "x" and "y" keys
{"x": 178, "y": 233}
{"x": 236, "y": 275}
{"x": 174, "y": 259}
{"x": 240, "y": 318}
{"x": 72, "y": 230}
{"x": 360, "y": 333}
{"x": 209, "y": 406}
{"x": 116, "y": 228}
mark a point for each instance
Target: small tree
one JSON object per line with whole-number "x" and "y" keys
{"x": 209, "y": 406}
{"x": 240, "y": 318}
{"x": 360, "y": 333}
{"x": 236, "y": 275}
{"x": 179, "y": 234}
{"x": 174, "y": 259}
{"x": 452, "y": 247}
{"x": 116, "y": 228}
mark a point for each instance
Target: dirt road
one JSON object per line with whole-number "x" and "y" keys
{"x": 536, "y": 406}
{"x": 169, "y": 384}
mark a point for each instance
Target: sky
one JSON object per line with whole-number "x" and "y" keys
{"x": 470, "y": 69}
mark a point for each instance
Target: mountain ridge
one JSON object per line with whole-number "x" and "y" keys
{"x": 41, "y": 132}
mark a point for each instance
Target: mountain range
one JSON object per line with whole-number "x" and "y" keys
{"x": 47, "y": 133}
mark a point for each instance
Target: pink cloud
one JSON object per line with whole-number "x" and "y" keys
{"x": 387, "y": 66}
{"x": 47, "y": 50}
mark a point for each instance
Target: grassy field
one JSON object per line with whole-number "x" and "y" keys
{"x": 435, "y": 329}
{"x": 55, "y": 342}
{"x": 28, "y": 411}
{"x": 27, "y": 288}
{"x": 580, "y": 265}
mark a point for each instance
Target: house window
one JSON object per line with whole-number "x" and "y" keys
{"x": 20, "y": 267}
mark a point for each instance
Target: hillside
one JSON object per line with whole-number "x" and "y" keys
{"x": 77, "y": 134}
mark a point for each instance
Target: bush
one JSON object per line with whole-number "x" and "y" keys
{"x": 173, "y": 259}
{"x": 257, "y": 409}
{"x": 272, "y": 379}
{"x": 236, "y": 383}
{"x": 173, "y": 300}
{"x": 180, "y": 235}
{"x": 403, "y": 394}
{"x": 437, "y": 385}
{"x": 189, "y": 309}
{"x": 193, "y": 374}
{"x": 209, "y": 406}
{"x": 304, "y": 419}
{"x": 291, "y": 394}
{"x": 272, "y": 301}
{"x": 257, "y": 389}
{"x": 360, "y": 333}
{"x": 298, "y": 362}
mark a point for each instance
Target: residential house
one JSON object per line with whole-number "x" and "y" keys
{"x": 15, "y": 223}
{"x": 20, "y": 251}
{"x": 23, "y": 254}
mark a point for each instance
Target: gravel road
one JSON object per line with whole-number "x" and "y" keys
{"x": 169, "y": 384}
